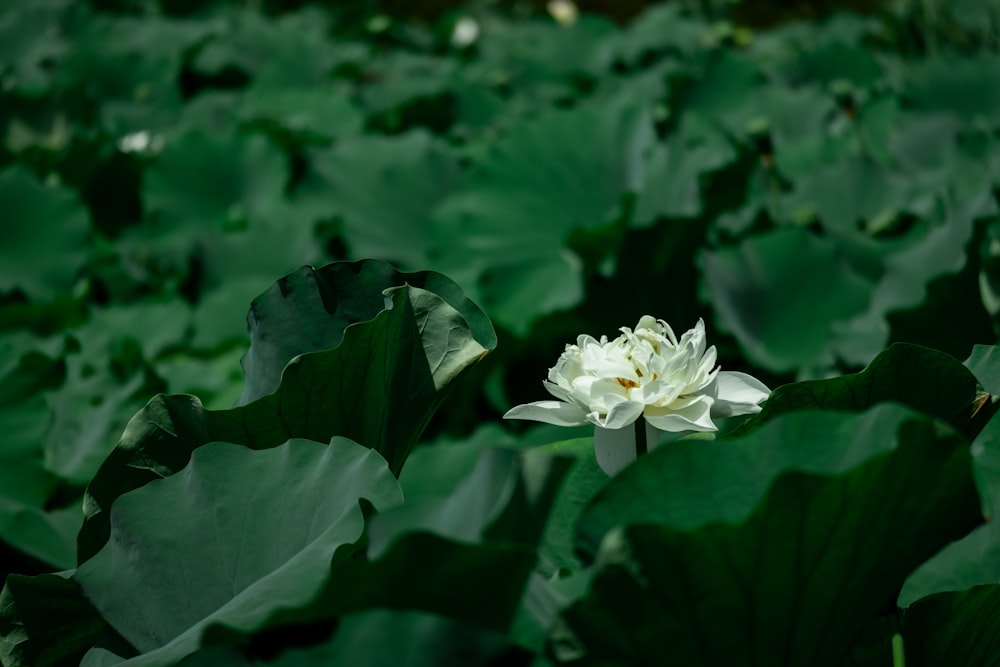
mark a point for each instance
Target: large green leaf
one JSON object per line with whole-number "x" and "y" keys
{"x": 505, "y": 236}
{"x": 444, "y": 557}
{"x": 377, "y": 382}
{"x": 44, "y": 235}
{"x": 415, "y": 640}
{"x": 435, "y": 469}
{"x": 312, "y": 113}
{"x": 224, "y": 541}
{"x": 926, "y": 380}
{"x": 906, "y": 275}
{"x": 817, "y": 288}
{"x": 27, "y": 523}
{"x": 725, "y": 89}
{"x": 404, "y": 78}
{"x": 31, "y": 40}
{"x": 309, "y": 310}
{"x": 384, "y": 190}
{"x": 106, "y": 382}
{"x": 662, "y": 27}
{"x": 776, "y": 548}
{"x": 672, "y": 186}
{"x": 582, "y": 483}
{"x": 966, "y": 88}
{"x": 973, "y": 560}
{"x": 851, "y": 193}
{"x": 127, "y": 68}
{"x": 203, "y": 182}
{"x": 45, "y": 621}
{"x": 954, "y": 629}
{"x": 293, "y": 50}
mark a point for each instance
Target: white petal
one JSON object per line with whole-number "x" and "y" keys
{"x": 614, "y": 448}
{"x": 707, "y": 364}
{"x": 550, "y": 412}
{"x": 558, "y": 391}
{"x": 738, "y": 394}
{"x": 620, "y": 414}
{"x": 694, "y": 417}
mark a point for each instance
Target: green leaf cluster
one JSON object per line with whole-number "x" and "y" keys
{"x": 184, "y": 482}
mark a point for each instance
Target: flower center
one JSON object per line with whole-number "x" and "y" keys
{"x": 628, "y": 384}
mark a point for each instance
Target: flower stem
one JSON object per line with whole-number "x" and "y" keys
{"x": 898, "y": 650}
{"x": 640, "y": 437}
{"x": 898, "y": 653}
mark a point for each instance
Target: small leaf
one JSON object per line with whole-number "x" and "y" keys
{"x": 984, "y": 362}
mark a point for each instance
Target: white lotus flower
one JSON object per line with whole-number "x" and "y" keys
{"x": 673, "y": 385}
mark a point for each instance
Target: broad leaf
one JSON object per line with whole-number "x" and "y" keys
{"x": 417, "y": 640}
{"x": 294, "y": 50}
{"x": 383, "y": 638}
{"x": 478, "y": 544}
{"x": 525, "y": 198}
{"x": 317, "y": 113}
{"x": 582, "y": 483}
{"x": 45, "y": 621}
{"x": 26, "y": 485}
{"x": 43, "y": 235}
{"x": 309, "y": 310}
{"x": 171, "y": 568}
{"x": 377, "y": 383}
{"x": 925, "y": 380}
{"x": 817, "y": 288}
{"x": 775, "y": 549}
{"x": 672, "y": 186}
{"x": 230, "y": 180}
{"x": 984, "y": 362}
{"x": 384, "y": 190}
{"x": 954, "y": 629}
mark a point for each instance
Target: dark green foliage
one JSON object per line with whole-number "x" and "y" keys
{"x": 293, "y": 484}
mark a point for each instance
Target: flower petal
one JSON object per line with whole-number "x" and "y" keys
{"x": 738, "y": 394}
{"x": 614, "y": 448}
{"x": 558, "y": 391}
{"x": 550, "y": 412}
{"x": 696, "y": 416}
{"x": 620, "y": 414}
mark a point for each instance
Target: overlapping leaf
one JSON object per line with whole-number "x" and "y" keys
{"x": 478, "y": 543}
{"x": 44, "y": 235}
{"x": 376, "y": 382}
{"x": 522, "y": 203}
{"x": 781, "y": 555}
{"x": 170, "y": 568}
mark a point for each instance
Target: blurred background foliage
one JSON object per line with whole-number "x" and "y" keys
{"x": 816, "y": 179}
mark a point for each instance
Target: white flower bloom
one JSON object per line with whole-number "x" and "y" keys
{"x": 140, "y": 142}
{"x": 466, "y": 32}
{"x": 563, "y": 11}
{"x": 647, "y": 372}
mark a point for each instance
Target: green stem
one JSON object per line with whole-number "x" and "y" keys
{"x": 898, "y": 650}
{"x": 898, "y": 654}
{"x": 640, "y": 437}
